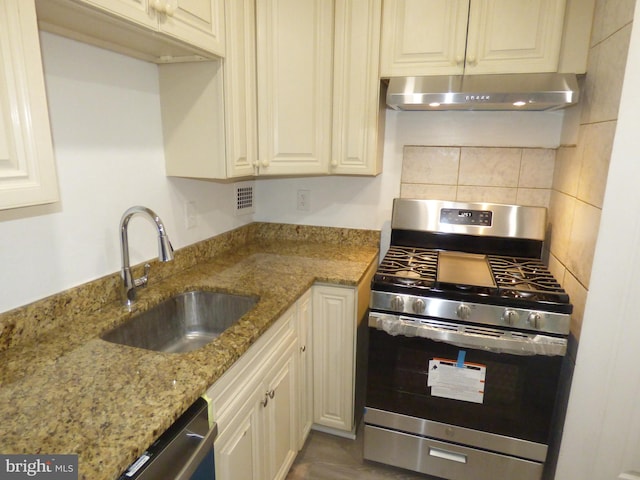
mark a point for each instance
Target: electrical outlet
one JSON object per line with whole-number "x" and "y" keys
{"x": 304, "y": 200}
{"x": 190, "y": 215}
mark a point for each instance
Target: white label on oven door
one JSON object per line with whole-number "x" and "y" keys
{"x": 449, "y": 379}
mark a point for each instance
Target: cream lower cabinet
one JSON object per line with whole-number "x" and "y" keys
{"x": 305, "y": 366}
{"x": 27, "y": 165}
{"x": 255, "y": 404}
{"x": 449, "y": 37}
{"x": 334, "y": 342}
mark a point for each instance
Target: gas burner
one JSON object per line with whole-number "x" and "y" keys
{"x": 526, "y": 278}
{"x": 408, "y": 277}
{"x": 408, "y": 274}
{"x": 409, "y": 266}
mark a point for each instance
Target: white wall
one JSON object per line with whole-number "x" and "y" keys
{"x": 105, "y": 117}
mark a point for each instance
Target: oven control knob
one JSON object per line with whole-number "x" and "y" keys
{"x": 397, "y": 303}
{"x": 535, "y": 320}
{"x": 418, "y": 305}
{"x": 463, "y": 311}
{"x": 510, "y": 317}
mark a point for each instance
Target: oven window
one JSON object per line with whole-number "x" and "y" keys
{"x": 519, "y": 392}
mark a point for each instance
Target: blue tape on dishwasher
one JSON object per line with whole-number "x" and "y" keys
{"x": 461, "y": 355}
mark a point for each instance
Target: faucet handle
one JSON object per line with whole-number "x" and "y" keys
{"x": 142, "y": 281}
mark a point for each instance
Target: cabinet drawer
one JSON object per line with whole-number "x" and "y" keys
{"x": 443, "y": 459}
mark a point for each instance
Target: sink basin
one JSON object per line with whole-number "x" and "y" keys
{"x": 182, "y": 323}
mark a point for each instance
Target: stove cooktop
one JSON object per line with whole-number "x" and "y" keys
{"x": 516, "y": 282}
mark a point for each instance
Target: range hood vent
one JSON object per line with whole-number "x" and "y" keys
{"x": 514, "y": 92}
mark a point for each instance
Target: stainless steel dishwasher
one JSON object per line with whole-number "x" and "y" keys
{"x": 183, "y": 452}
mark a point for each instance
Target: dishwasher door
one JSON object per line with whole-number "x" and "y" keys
{"x": 183, "y": 452}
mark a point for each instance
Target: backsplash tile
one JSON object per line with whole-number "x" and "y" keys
{"x": 533, "y": 196}
{"x": 598, "y": 143}
{"x": 495, "y": 167}
{"x": 478, "y": 174}
{"x": 605, "y": 77}
{"x": 427, "y": 191}
{"x": 433, "y": 165}
{"x": 609, "y": 17}
{"x": 580, "y": 176}
{"x": 569, "y": 167}
{"x": 536, "y": 168}
{"x": 486, "y": 194}
{"x": 583, "y": 241}
{"x": 561, "y": 219}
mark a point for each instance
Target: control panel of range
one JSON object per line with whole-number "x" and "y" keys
{"x": 456, "y": 216}
{"x": 486, "y": 314}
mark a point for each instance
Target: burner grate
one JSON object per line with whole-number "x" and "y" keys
{"x": 409, "y": 266}
{"x": 518, "y": 279}
{"x": 525, "y": 278}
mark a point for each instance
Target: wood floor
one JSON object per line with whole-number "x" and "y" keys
{"x": 327, "y": 457}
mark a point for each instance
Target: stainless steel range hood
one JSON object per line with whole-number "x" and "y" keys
{"x": 514, "y": 92}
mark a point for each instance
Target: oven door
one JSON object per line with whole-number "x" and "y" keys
{"x": 439, "y": 381}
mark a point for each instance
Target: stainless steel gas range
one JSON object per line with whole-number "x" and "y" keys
{"x": 467, "y": 332}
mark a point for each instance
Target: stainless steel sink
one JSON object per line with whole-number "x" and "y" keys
{"x": 182, "y": 323}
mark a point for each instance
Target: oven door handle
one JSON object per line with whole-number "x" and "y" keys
{"x": 470, "y": 336}
{"x": 447, "y": 455}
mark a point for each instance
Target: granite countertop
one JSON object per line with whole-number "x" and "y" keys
{"x": 64, "y": 390}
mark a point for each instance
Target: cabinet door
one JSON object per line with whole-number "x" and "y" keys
{"x": 305, "y": 367}
{"x": 423, "y": 37}
{"x": 27, "y": 165}
{"x": 334, "y": 321}
{"x": 240, "y": 88}
{"x": 138, "y": 11}
{"x": 279, "y": 417}
{"x": 196, "y": 22}
{"x": 506, "y": 36}
{"x": 356, "y": 90}
{"x": 294, "y": 57}
{"x": 235, "y": 448}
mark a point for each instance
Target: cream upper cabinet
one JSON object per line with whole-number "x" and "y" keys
{"x": 143, "y": 12}
{"x": 197, "y": 22}
{"x": 507, "y": 36}
{"x": 160, "y": 31}
{"x": 358, "y": 122}
{"x": 297, "y": 94}
{"x": 423, "y": 37}
{"x": 451, "y": 37}
{"x": 240, "y": 93}
{"x": 209, "y": 109}
{"x": 27, "y": 165}
{"x": 294, "y": 61}
{"x": 266, "y": 108}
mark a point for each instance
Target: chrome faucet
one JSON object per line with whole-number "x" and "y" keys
{"x": 165, "y": 252}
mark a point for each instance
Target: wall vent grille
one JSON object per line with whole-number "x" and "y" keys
{"x": 244, "y": 199}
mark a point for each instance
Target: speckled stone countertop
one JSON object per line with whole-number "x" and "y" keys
{"x": 64, "y": 390}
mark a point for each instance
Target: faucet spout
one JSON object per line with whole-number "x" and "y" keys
{"x": 165, "y": 252}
